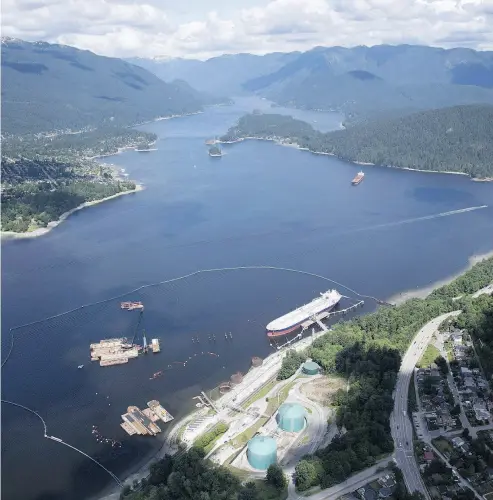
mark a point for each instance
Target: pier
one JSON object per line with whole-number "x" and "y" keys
{"x": 143, "y": 422}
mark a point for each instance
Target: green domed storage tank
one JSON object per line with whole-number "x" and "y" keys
{"x": 262, "y": 452}
{"x": 291, "y": 417}
{"x": 310, "y": 368}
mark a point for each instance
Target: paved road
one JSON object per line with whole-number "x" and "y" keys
{"x": 347, "y": 486}
{"x": 400, "y": 424}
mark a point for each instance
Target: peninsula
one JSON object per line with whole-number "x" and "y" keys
{"x": 455, "y": 139}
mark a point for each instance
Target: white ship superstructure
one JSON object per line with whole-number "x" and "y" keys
{"x": 292, "y": 320}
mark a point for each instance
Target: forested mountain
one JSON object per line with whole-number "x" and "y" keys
{"x": 364, "y": 81}
{"x": 223, "y": 75}
{"x": 455, "y": 139}
{"x": 48, "y": 87}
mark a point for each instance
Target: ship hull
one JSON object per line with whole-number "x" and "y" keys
{"x": 355, "y": 183}
{"x": 292, "y": 328}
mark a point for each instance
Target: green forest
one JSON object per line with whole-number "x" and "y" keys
{"x": 44, "y": 177}
{"x": 188, "y": 476}
{"x": 455, "y": 139}
{"x": 367, "y": 350}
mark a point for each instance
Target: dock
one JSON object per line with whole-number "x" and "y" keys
{"x": 324, "y": 315}
{"x": 143, "y": 422}
{"x": 155, "y": 345}
{"x": 163, "y": 414}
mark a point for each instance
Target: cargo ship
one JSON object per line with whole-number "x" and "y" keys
{"x": 358, "y": 179}
{"x": 293, "y": 320}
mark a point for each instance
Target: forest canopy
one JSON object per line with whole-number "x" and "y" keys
{"x": 455, "y": 139}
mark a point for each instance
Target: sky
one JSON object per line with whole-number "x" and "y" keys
{"x": 202, "y": 29}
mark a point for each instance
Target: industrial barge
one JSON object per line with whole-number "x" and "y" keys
{"x": 294, "y": 319}
{"x": 143, "y": 422}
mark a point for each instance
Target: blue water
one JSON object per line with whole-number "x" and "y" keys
{"x": 260, "y": 204}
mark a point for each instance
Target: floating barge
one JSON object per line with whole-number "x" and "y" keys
{"x": 163, "y": 414}
{"x": 111, "y": 352}
{"x": 143, "y": 422}
{"x": 155, "y": 346}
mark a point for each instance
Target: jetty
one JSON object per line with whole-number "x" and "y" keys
{"x": 143, "y": 422}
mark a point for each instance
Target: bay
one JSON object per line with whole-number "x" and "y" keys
{"x": 259, "y": 205}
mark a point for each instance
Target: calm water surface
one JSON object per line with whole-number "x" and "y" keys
{"x": 260, "y": 204}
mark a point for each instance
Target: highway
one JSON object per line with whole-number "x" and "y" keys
{"x": 400, "y": 423}
{"x": 351, "y": 484}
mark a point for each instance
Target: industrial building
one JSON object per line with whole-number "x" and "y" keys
{"x": 310, "y": 368}
{"x": 291, "y": 417}
{"x": 262, "y": 452}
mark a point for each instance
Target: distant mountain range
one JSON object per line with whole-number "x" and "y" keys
{"x": 48, "y": 87}
{"x": 223, "y": 75}
{"x": 362, "y": 81}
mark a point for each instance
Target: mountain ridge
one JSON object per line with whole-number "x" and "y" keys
{"x": 51, "y": 87}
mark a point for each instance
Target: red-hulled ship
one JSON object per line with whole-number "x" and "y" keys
{"x": 358, "y": 179}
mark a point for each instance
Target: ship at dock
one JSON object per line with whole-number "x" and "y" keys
{"x": 359, "y": 177}
{"x": 294, "y": 319}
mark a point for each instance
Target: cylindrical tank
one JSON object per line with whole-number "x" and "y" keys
{"x": 237, "y": 378}
{"x": 224, "y": 387}
{"x": 291, "y": 417}
{"x": 310, "y": 368}
{"x": 256, "y": 361}
{"x": 262, "y": 452}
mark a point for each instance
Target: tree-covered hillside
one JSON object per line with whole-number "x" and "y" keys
{"x": 44, "y": 177}
{"x": 48, "y": 87}
{"x": 456, "y": 139}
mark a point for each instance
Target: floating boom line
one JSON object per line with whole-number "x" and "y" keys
{"x": 173, "y": 280}
{"x": 58, "y": 440}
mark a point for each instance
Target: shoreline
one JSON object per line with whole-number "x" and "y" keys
{"x": 11, "y": 235}
{"x": 421, "y": 293}
{"x": 169, "y": 445}
{"x": 280, "y": 142}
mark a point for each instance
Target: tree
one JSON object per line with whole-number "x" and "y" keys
{"x": 442, "y": 365}
{"x": 249, "y": 492}
{"x": 276, "y": 477}
{"x": 290, "y": 363}
{"x": 466, "y": 433}
{"x": 305, "y": 475}
{"x": 455, "y": 410}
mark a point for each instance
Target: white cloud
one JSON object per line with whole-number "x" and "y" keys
{"x": 150, "y": 27}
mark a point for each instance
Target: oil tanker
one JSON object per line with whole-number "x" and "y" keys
{"x": 293, "y": 320}
{"x": 358, "y": 179}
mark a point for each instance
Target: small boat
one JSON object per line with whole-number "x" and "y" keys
{"x": 130, "y": 306}
{"x": 80, "y": 366}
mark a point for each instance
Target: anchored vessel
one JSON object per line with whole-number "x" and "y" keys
{"x": 358, "y": 179}
{"x": 291, "y": 321}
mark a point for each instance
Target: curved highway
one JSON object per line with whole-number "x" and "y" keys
{"x": 400, "y": 422}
